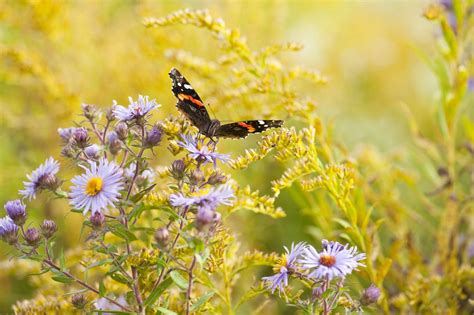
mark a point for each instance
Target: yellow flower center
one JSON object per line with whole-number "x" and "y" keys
{"x": 282, "y": 262}
{"x": 327, "y": 261}
{"x": 94, "y": 186}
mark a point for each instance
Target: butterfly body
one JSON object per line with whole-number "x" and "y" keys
{"x": 191, "y": 105}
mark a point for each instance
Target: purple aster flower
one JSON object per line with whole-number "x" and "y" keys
{"x": 200, "y": 152}
{"x": 44, "y": 177}
{"x": 8, "y": 230}
{"x": 335, "y": 260}
{"x": 284, "y": 267}
{"x": 135, "y": 110}
{"x": 98, "y": 188}
{"x": 16, "y": 210}
{"x": 470, "y": 84}
{"x": 215, "y": 196}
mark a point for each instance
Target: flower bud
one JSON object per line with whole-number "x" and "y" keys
{"x": 66, "y": 133}
{"x": 89, "y": 111}
{"x": 318, "y": 292}
{"x": 370, "y": 295}
{"x": 81, "y": 137}
{"x": 121, "y": 130}
{"x": 8, "y": 230}
{"x": 216, "y": 178}
{"x": 50, "y": 181}
{"x": 145, "y": 178}
{"x": 48, "y": 228}
{"x": 114, "y": 143}
{"x": 92, "y": 151}
{"x": 153, "y": 136}
{"x": 177, "y": 169}
{"x": 97, "y": 219}
{"x": 67, "y": 151}
{"x": 79, "y": 301}
{"x": 16, "y": 210}
{"x": 109, "y": 114}
{"x": 204, "y": 217}
{"x": 32, "y": 236}
{"x": 162, "y": 236}
{"x": 196, "y": 177}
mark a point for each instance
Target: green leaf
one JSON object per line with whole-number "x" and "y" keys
{"x": 120, "y": 231}
{"x": 156, "y": 293}
{"x": 119, "y": 278}
{"x": 100, "y": 263}
{"x": 62, "y": 261}
{"x": 203, "y": 299}
{"x": 178, "y": 279}
{"x": 111, "y": 312}
{"x": 138, "y": 196}
{"x": 62, "y": 279}
{"x": 102, "y": 291}
{"x": 165, "y": 311}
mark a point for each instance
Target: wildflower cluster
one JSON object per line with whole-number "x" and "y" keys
{"x": 317, "y": 271}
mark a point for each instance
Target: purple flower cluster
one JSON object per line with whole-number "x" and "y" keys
{"x": 335, "y": 260}
{"x": 200, "y": 152}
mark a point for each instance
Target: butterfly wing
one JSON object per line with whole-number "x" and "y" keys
{"x": 241, "y": 129}
{"x": 189, "y": 102}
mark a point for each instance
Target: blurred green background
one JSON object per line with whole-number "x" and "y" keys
{"x": 58, "y": 54}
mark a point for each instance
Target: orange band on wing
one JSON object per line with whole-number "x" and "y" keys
{"x": 182, "y": 96}
{"x": 250, "y": 128}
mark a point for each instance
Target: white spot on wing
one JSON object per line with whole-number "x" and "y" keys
{"x": 187, "y": 86}
{"x": 261, "y": 122}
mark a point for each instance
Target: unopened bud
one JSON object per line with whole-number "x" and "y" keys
{"x": 196, "y": 177}
{"x": 16, "y": 210}
{"x": 153, "y": 136}
{"x": 48, "y": 228}
{"x": 97, "y": 219}
{"x": 92, "y": 151}
{"x": 89, "y": 111}
{"x": 109, "y": 114}
{"x": 8, "y": 230}
{"x": 121, "y": 130}
{"x": 32, "y": 236}
{"x": 204, "y": 217}
{"x": 370, "y": 295}
{"x": 67, "y": 151}
{"x": 177, "y": 169}
{"x": 80, "y": 137}
{"x": 318, "y": 292}
{"x": 162, "y": 236}
{"x": 114, "y": 143}
{"x": 50, "y": 181}
{"x": 216, "y": 178}
{"x": 79, "y": 301}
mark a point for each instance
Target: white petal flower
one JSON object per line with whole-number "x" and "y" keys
{"x": 335, "y": 260}
{"x": 98, "y": 188}
{"x": 136, "y": 109}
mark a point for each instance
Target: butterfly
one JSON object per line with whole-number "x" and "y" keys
{"x": 191, "y": 105}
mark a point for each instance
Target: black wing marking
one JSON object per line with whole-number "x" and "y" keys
{"x": 189, "y": 102}
{"x": 241, "y": 129}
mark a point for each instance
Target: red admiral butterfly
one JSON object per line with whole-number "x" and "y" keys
{"x": 191, "y": 105}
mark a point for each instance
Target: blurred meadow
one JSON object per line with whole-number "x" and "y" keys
{"x": 370, "y": 82}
